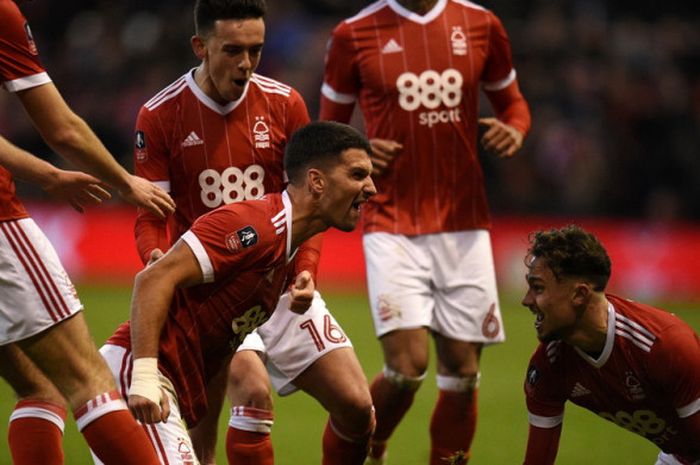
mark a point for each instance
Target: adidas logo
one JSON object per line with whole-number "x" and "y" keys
{"x": 392, "y": 47}
{"x": 192, "y": 139}
{"x": 579, "y": 391}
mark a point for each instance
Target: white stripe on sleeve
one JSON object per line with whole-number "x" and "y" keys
{"x": 544, "y": 422}
{"x": 198, "y": 249}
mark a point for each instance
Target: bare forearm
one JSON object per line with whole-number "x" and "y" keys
{"x": 24, "y": 165}
{"x": 149, "y": 309}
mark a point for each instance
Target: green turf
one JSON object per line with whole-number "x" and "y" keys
{"x": 502, "y": 430}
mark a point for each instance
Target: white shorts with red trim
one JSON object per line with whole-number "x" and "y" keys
{"x": 35, "y": 291}
{"x": 445, "y": 282}
{"x": 170, "y": 440}
{"x": 292, "y": 342}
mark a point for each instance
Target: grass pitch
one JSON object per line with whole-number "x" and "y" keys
{"x": 502, "y": 428}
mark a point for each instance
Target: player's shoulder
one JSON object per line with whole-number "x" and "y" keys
{"x": 550, "y": 355}
{"x": 166, "y": 96}
{"x": 264, "y": 213}
{"x": 272, "y": 87}
{"x": 10, "y": 13}
{"x": 643, "y": 324}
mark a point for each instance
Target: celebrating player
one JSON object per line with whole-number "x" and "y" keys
{"x": 46, "y": 352}
{"x": 415, "y": 67}
{"x": 629, "y": 363}
{"x": 216, "y": 136}
{"x": 193, "y": 307}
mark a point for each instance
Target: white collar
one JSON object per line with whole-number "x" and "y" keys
{"x": 208, "y": 101}
{"x": 609, "y": 342}
{"x": 401, "y": 10}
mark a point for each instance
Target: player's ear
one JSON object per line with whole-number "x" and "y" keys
{"x": 582, "y": 293}
{"x": 199, "y": 47}
{"x": 316, "y": 181}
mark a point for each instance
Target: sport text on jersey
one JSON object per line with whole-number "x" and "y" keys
{"x": 431, "y": 90}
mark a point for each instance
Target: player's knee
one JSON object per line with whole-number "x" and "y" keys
{"x": 409, "y": 382}
{"x": 249, "y": 389}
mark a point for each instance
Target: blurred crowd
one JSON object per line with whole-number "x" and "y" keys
{"x": 614, "y": 90}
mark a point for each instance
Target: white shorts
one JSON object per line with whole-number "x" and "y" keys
{"x": 445, "y": 281}
{"x": 292, "y": 342}
{"x": 35, "y": 291}
{"x": 669, "y": 459}
{"x": 170, "y": 440}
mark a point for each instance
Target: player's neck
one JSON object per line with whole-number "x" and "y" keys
{"x": 204, "y": 82}
{"x": 418, "y": 6}
{"x": 305, "y": 222}
{"x": 592, "y": 329}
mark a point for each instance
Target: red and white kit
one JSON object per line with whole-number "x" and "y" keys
{"x": 37, "y": 292}
{"x": 646, "y": 380}
{"x": 244, "y": 253}
{"x": 417, "y": 80}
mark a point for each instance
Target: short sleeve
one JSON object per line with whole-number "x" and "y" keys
{"x": 675, "y": 360}
{"x": 543, "y": 391}
{"x": 230, "y": 238}
{"x": 341, "y": 82}
{"x": 20, "y": 67}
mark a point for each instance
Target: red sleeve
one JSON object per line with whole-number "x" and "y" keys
{"x": 307, "y": 258}
{"x": 542, "y": 445}
{"x": 341, "y": 81}
{"x": 298, "y": 113}
{"x": 234, "y": 237}
{"x": 500, "y": 83}
{"x": 510, "y": 106}
{"x": 544, "y": 390}
{"x": 675, "y": 360}
{"x": 19, "y": 57}
{"x": 150, "y": 162}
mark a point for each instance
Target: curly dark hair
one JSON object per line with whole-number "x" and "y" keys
{"x": 572, "y": 252}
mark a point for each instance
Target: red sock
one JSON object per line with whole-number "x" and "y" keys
{"x": 112, "y": 433}
{"x": 452, "y": 427}
{"x": 341, "y": 448}
{"x": 391, "y": 402}
{"x": 248, "y": 437}
{"x": 36, "y": 432}
{"x": 248, "y": 448}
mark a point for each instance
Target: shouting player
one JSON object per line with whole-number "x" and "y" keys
{"x": 415, "y": 68}
{"x": 629, "y": 363}
{"x": 217, "y": 136}
{"x": 193, "y": 307}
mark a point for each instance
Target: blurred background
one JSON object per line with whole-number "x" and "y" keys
{"x": 614, "y": 89}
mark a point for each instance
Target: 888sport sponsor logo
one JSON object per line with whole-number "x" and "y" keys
{"x": 431, "y": 90}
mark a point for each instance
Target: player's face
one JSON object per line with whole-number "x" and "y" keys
{"x": 349, "y": 186}
{"x": 230, "y": 55}
{"x": 551, "y": 301}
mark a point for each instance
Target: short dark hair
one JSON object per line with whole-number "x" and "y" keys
{"x": 572, "y": 252}
{"x": 320, "y": 144}
{"x": 207, "y": 12}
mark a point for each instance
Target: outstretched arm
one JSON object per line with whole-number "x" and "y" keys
{"x": 78, "y": 189}
{"x": 71, "y": 137}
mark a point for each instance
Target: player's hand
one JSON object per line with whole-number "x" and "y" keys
{"x": 77, "y": 188}
{"x": 155, "y": 255}
{"x": 383, "y": 152}
{"x": 145, "y": 194}
{"x": 147, "y": 411}
{"x": 301, "y": 293}
{"x": 500, "y": 138}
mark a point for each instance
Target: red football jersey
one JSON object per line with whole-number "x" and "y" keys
{"x": 19, "y": 69}
{"x": 417, "y": 80}
{"x": 207, "y": 155}
{"x": 645, "y": 380}
{"x": 243, "y": 250}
